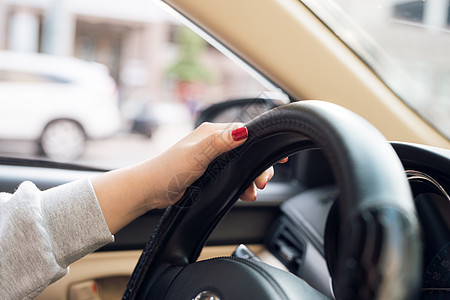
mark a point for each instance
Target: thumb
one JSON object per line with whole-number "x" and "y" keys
{"x": 221, "y": 141}
{"x": 231, "y": 138}
{"x": 239, "y": 135}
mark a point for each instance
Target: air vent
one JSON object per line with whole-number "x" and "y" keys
{"x": 284, "y": 242}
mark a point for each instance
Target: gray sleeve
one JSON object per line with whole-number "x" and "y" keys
{"x": 42, "y": 232}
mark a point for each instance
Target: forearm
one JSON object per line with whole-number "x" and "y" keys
{"x": 41, "y": 233}
{"x": 126, "y": 194}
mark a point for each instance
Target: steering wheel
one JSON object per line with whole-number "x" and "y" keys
{"x": 377, "y": 253}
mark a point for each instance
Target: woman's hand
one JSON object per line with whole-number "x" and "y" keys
{"x": 188, "y": 159}
{"x": 127, "y": 193}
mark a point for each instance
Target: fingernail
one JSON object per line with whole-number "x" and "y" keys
{"x": 265, "y": 183}
{"x": 284, "y": 160}
{"x": 239, "y": 134}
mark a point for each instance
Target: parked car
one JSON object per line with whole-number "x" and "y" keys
{"x": 351, "y": 214}
{"x": 57, "y": 102}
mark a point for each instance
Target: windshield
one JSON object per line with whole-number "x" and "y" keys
{"x": 405, "y": 42}
{"x": 105, "y": 83}
{"x": 108, "y": 83}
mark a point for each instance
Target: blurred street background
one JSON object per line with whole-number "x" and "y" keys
{"x": 163, "y": 72}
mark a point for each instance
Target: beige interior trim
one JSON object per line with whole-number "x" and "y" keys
{"x": 121, "y": 263}
{"x": 303, "y": 57}
{"x": 93, "y": 266}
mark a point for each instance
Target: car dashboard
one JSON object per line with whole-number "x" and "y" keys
{"x": 428, "y": 171}
{"x": 291, "y": 218}
{"x": 303, "y": 235}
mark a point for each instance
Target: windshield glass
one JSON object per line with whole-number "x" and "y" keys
{"x": 105, "y": 83}
{"x": 405, "y": 42}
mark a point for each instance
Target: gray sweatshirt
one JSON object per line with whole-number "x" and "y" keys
{"x": 43, "y": 232}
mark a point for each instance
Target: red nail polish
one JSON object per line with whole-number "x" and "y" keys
{"x": 265, "y": 183}
{"x": 282, "y": 161}
{"x": 239, "y": 134}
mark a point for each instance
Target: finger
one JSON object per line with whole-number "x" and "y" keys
{"x": 220, "y": 141}
{"x": 208, "y": 128}
{"x": 261, "y": 180}
{"x": 250, "y": 193}
{"x": 282, "y": 161}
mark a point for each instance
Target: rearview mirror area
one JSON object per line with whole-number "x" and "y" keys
{"x": 243, "y": 110}
{"x": 238, "y": 110}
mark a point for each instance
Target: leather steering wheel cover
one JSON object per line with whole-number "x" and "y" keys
{"x": 236, "y": 278}
{"x": 357, "y": 153}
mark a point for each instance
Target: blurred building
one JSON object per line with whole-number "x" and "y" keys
{"x": 133, "y": 38}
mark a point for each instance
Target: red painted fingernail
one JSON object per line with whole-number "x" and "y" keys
{"x": 265, "y": 183}
{"x": 239, "y": 134}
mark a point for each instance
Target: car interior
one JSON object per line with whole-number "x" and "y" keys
{"x": 361, "y": 210}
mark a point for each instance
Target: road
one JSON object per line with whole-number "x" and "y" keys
{"x": 121, "y": 150}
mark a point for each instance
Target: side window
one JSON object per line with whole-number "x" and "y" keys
{"x": 431, "y": 13}
{"x": 141, "y": 79}
{"x": 406, "y": 43}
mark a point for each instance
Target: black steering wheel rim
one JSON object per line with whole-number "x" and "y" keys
{"x": 388, "y": 263}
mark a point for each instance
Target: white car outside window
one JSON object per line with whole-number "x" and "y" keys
{"x": 58, "y": 102}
